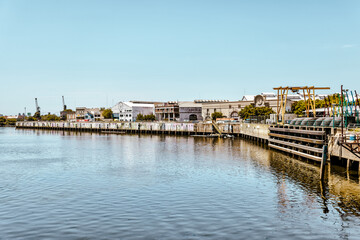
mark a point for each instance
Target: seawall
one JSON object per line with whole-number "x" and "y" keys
{"x": 255, "y": 132}
{"x": 258, "y": 132}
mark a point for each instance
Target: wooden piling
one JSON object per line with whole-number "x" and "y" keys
{"x": 323, "y": 162}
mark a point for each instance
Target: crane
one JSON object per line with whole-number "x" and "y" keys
{"x": 37, "y": 113}
{"x": 309, "y": 99}
{"x": 64, "y": 103}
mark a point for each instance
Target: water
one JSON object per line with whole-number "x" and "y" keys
{"x": 58, "y": 185}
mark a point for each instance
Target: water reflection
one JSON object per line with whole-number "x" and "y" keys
{"x": 337, "y": 188}
{"x": 170, "y": 187}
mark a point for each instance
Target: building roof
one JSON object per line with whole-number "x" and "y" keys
{"x": 146, "y": 102}
{"x": 189, "y": 104}
{"x": 248, "y": 98}
{"x": 209, "y": 101}
{"x": 132, "y": 104}
{"x": 268, "y": 94}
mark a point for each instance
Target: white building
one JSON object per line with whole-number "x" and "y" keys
{"x": 128, "y": 111}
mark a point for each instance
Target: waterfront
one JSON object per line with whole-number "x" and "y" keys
{"x": 72, "y": 185}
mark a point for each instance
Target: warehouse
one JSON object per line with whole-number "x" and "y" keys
{"x": 128, "y": 111}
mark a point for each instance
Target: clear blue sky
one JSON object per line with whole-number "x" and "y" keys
{"x": 96, "y": 53}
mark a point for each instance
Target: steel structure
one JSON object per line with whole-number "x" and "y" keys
{"x": 349, "y": 140}
{"x": 37, "y": 106}
{"x": 63, "y": 100}
{"x": 37, "y": 113}
{"x": 309, "y": 98}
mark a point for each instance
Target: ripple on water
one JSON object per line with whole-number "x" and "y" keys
{"x": 151, "y": 187}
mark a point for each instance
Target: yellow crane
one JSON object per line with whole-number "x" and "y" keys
{"x": 309, "y": 98}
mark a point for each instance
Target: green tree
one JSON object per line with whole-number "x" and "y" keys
{"x": 107, "y": 113}
{"x": 216, "y": 115}
{"x": 250, "y": 110}
{"x": 149, "y": 117}
{"x": 30, "y": 119}
{"x": 139, "y": 117}
{"x": 50, "y": 117}
{"x": 37, "y": 115}
{"x": 299, "y": 107}
{"x": 11, "y": 121}
{"x": 2, "y": 121}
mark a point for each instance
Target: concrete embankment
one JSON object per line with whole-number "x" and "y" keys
{"x": 304, "y": 142}
{"x": 258, "y": 132}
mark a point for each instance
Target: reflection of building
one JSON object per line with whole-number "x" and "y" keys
{"x": 128, "y": 111}
{"x": 178, "y": 111}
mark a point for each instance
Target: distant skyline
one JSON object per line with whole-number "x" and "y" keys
{"x": 97, "y": 53}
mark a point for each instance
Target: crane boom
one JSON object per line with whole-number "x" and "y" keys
{"x": 64, "y": 106}
{"x": 37, "y": 113}
{"x": 37, "y": 105}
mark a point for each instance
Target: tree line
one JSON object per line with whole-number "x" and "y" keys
{"x": 246, "y": 112}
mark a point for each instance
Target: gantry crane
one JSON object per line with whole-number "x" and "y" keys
{"x": 309, "y": 98}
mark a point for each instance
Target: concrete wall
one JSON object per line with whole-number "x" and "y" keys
{"x": 128, "y": 111}
{"x": 143, "y": 110}
{"x": 249, "y": 129}
{"x": 226, "y": 108}
{"x": 185, "y": 112}
{"x": 254, "y": 130}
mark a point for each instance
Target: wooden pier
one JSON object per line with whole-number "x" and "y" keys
{"x": 302, "y": 141}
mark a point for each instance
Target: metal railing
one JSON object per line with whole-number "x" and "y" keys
{"x": 257, "y": 119}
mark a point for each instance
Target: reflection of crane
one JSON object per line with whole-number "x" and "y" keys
{"x": 64, "y": 103}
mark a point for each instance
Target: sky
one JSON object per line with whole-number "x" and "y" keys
{"x": 97, "y": 53}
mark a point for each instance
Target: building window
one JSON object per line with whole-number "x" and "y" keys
{"x": 229, "y": 106}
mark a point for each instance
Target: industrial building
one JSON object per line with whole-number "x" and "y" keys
{"x": 128, "y": 111}
{"x": 85, "y": 114}
{"x": 231, "y": 109}
{"x": 178, "y": 111}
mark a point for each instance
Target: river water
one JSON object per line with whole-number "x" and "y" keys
{"x": 57, "y": 185}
